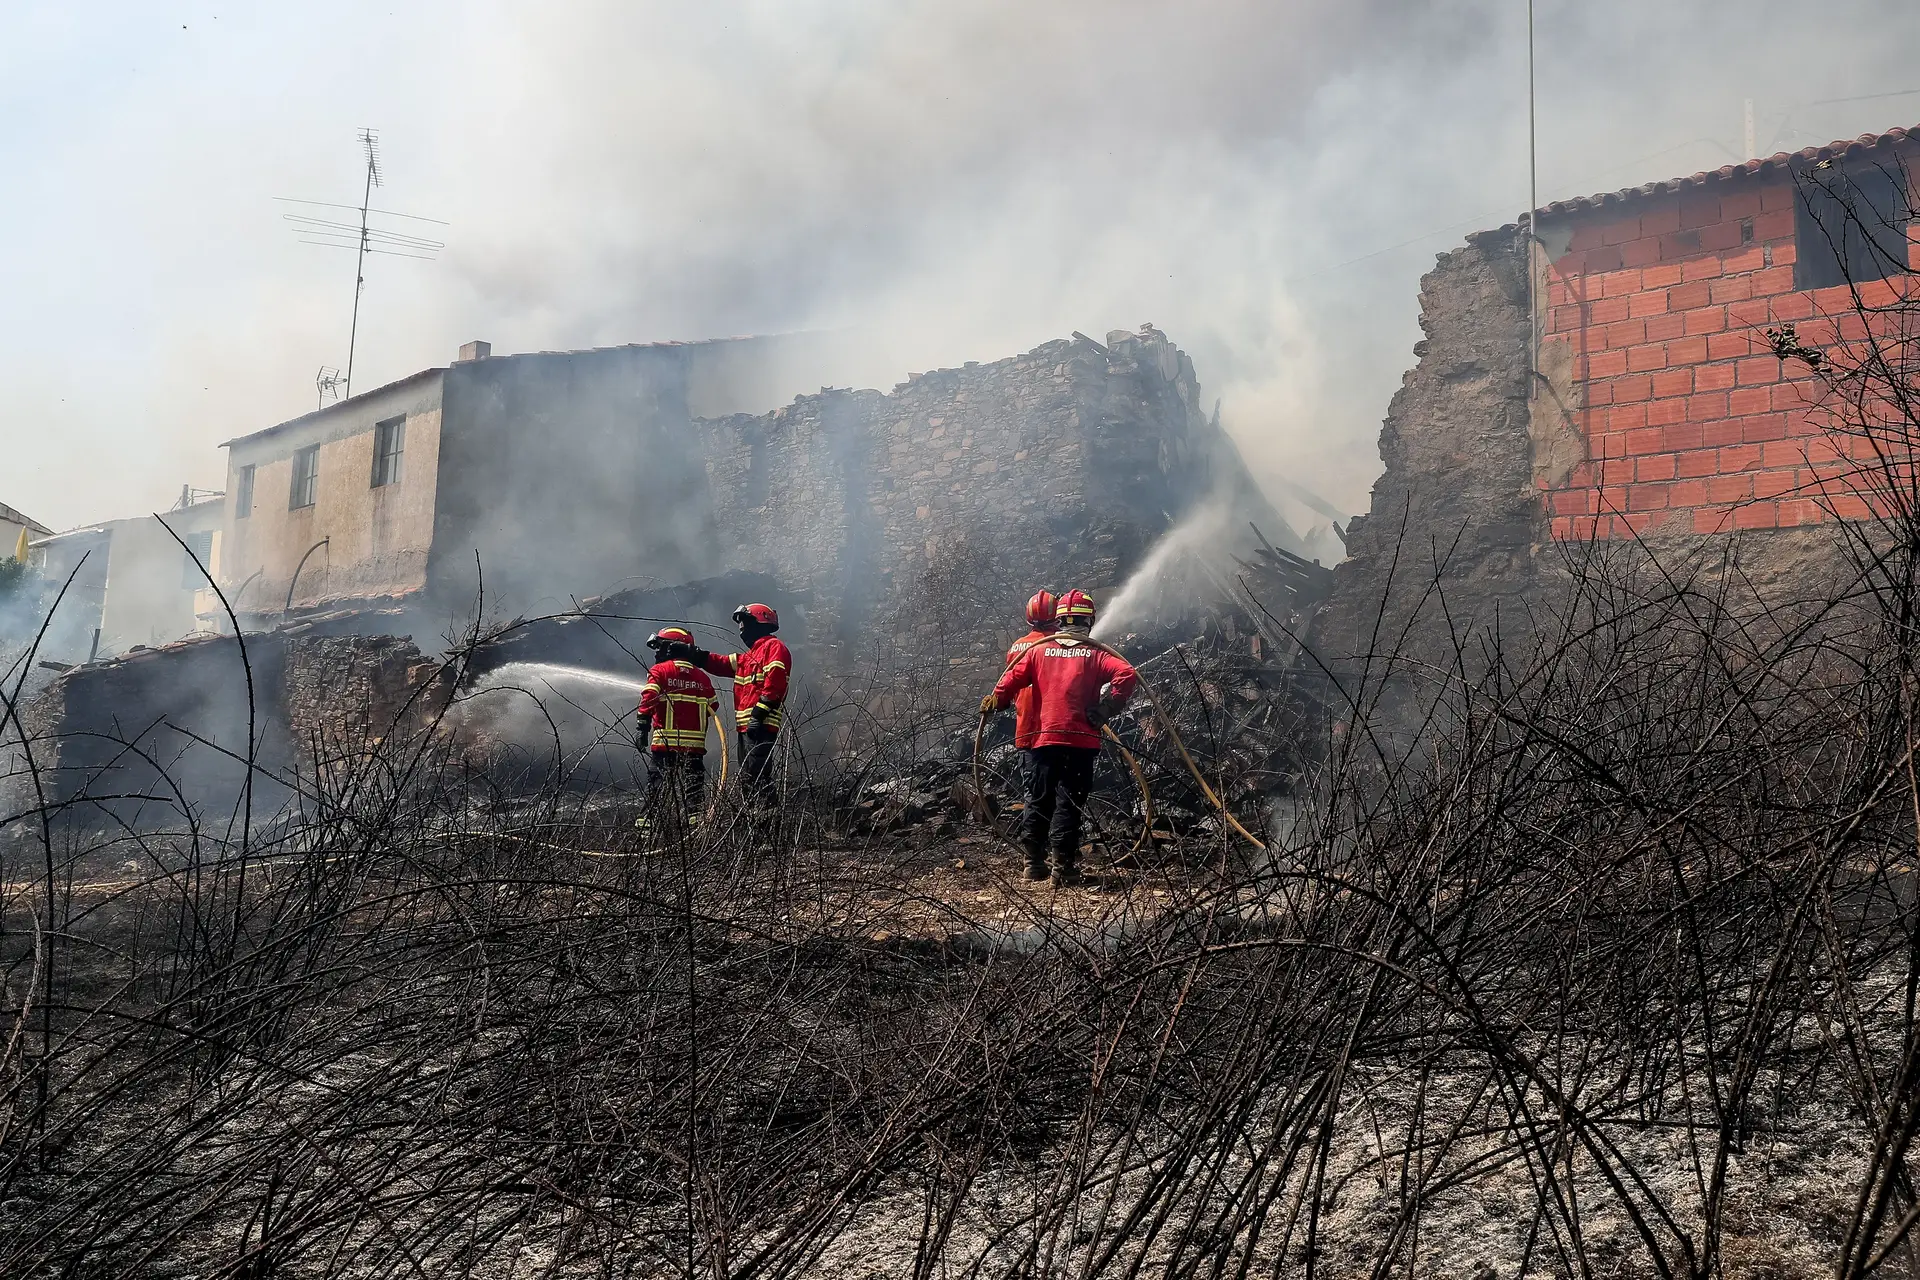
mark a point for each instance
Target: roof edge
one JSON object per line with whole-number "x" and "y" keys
{"x": 1762, "y": 167}
{"x": 314, "y": 414}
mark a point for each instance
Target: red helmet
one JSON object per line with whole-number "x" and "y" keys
{"x": 1074, "y": 609}
{"x": 760, "y": 613}
{"x": 670, "y": 635}
{"x": 1040, "y": 608}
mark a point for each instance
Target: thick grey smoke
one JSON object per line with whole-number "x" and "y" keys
{"x": 1263, "y": 179}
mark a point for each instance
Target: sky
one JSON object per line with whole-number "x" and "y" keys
{"x": 1264, "y": 180}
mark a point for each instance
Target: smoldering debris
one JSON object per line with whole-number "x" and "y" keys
{"x": 1248, "y": 712}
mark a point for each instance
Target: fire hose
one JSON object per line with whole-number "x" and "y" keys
{"x": 1139, "y": 776}
{"x": 713, "y": 800}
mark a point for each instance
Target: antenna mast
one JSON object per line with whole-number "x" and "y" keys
{"x": 371, "y": 141}
{"x": 365, "y": 238}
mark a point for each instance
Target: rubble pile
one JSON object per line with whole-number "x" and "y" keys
{"x": 1245, "y": 720}
{"x": 1224, "y": 664}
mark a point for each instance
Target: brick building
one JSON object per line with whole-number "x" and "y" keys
{"x": 1652, "y": 339}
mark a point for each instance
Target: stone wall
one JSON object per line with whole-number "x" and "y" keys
{"x": 1470, "y": 519}
{"x": 917, "y": 522}
{"x": 159, "y": 733}
{"x": 343, "y": 696}
{"x": 1455, "y": 522}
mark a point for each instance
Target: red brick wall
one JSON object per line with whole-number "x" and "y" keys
{"x": 1691, "y": 424}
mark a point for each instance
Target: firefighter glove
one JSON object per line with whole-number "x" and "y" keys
{"x": 697, "y": 656}
{"x": 644, "y": 738}
{"x": 989, "y": 705}
{"x": 759, "y": 713}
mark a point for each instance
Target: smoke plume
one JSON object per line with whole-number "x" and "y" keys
{"x": 936, "y": 182}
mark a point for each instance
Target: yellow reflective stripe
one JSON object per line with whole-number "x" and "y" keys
{"x": 775, "y": 663}
{"x": 649, "y": 685}
{"x": 700, "y": 701}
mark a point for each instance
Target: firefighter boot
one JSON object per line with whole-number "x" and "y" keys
{"x": 1036, "y": 861}
{"x": 1066, "y": 868}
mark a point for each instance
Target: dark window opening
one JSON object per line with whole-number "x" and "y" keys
{"x": 306, "y": 474}
{"x": 389, "y": 448}
{"x": 243, "y": 493}
{"x": 197, "y": 559}
{"x": 1850, "y": 225}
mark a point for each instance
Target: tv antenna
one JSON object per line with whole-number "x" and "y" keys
{"x": 327, "y": 383}
{"x": 365, "y": 238}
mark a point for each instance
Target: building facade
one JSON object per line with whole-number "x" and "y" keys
{"x": 126, "y": 584}
{"x": 12, "y": 525}
{"x": 503, "y": 483}
{"x": 1610, "y": 381}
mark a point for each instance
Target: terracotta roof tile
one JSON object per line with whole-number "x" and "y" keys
{"x": 1763, "y": 166}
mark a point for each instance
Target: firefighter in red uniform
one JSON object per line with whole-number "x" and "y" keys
{"x": 1040, "y": 621}
{"x": 675, "y": 705}
{"x": 1066, "y": 673}
{"x": 759, "y": 691}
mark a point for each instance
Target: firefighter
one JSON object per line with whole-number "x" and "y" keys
{"x": 760, "y": 678}
{"x": 1067, "y": 674}
{"x": 676, "y": 704}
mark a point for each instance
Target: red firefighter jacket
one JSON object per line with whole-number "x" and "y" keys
{"x": 1065, "y": 673}
{"x": 1026, "y": 726}
{"x": 678, "y": 698}
{"x": 759, "y": 679}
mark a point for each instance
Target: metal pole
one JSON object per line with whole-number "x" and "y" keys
{"x": 360, "y": 273}
{"x": 1533, "y": 212}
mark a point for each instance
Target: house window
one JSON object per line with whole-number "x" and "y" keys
{"x": 243, "y": 493}
{"x": 1850, "y": 225}
{"x": 197, "y": 560}
{"x": 389, "y": 446}
{"x": 306, "y": 473}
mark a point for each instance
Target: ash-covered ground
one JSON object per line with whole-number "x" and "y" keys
{"x": 1590, "y": 956}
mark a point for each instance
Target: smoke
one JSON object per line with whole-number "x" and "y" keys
{"x": 934, "y": 182}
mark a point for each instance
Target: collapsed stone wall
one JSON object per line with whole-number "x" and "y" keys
{"x": 1456, "y": 523}
{"x": 900, "y": 533}
{"x": 1462, "y": 525}
{"x": 342, "y": 696}
{"x": 158, "y": 732}
{"x": 916, "y": 522}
